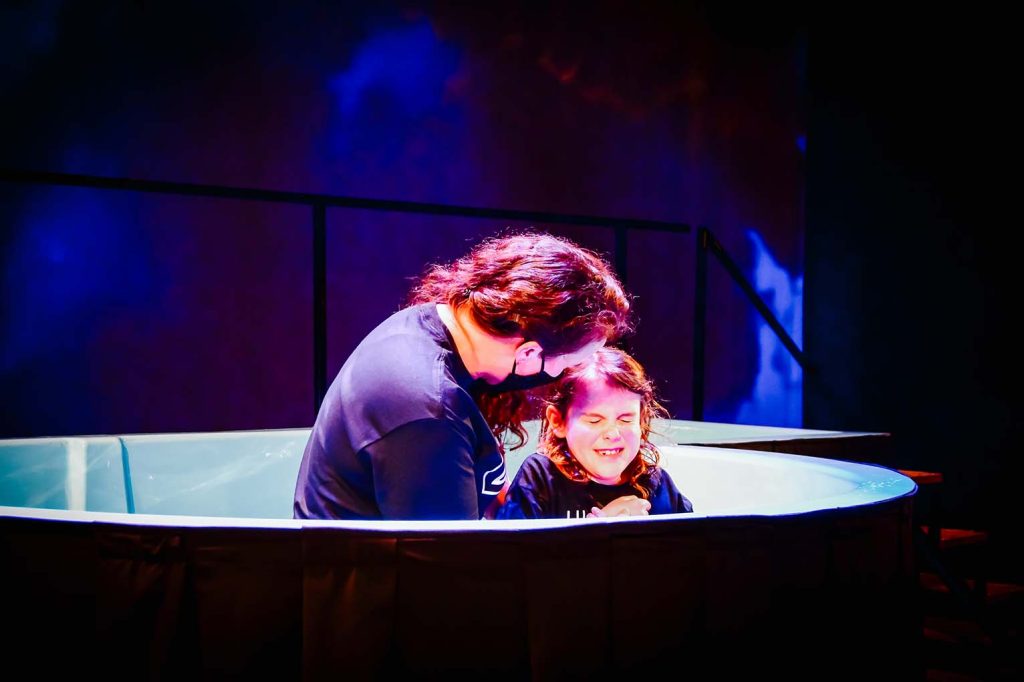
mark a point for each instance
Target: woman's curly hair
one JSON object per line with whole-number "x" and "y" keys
{"x": 541, "y": 287}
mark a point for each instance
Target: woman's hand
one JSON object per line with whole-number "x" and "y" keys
{"x": 627, "y": 505}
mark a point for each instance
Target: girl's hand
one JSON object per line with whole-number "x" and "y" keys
{"x": 627, "y": 505}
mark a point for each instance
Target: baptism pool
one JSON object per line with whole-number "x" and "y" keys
{"x": 172, "y": 555}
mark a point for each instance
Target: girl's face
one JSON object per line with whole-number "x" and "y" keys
{"x": 601, "y": 428}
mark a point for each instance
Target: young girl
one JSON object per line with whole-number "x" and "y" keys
{"x": 595, "y": 458}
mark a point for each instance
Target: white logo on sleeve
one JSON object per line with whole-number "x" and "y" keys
{"x": 494, "y": 480}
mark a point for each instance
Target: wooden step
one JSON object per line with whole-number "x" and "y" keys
{"x": 957, "y": 537}
{"x": 994, "y": 591}
{"x": 922, "y": 477}
{"x": 955, "y": 631}
{"x": 955, "y": 649}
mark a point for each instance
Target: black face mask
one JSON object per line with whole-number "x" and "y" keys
{"x": 515, "y": 382}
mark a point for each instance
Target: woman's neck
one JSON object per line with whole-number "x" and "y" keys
{"x": 485, "y": 356}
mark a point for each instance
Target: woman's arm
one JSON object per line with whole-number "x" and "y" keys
{"x": 529, "y": 495}
{"x": 424, "y": 470}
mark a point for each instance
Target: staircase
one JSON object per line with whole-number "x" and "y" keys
{"x": 972, "y": 624}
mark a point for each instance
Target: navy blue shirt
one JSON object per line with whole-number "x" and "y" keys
{"x": 541, "y": 491}
{"x": 399, "y": 435}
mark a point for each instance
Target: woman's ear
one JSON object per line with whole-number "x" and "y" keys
{"x": 555, "y": 421}
{"x": 527, "y": 352}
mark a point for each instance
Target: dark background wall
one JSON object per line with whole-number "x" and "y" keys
{"x": 135, "y": 313}
{"x": 126, "y": 312}
{"x": 912, "y": 263}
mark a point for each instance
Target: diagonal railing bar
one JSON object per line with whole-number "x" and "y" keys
{"x": 707, "y": 243}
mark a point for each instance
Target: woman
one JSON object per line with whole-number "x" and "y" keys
{"x": 412, "y": 426}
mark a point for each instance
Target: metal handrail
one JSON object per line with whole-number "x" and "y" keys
{"x": 319, "y": 203}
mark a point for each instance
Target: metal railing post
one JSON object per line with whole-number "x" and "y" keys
{"x": 319, "y": 306}
{"x": 700, "y": 312}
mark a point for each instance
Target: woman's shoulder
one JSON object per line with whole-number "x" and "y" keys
{"x": 402, "y": 354}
